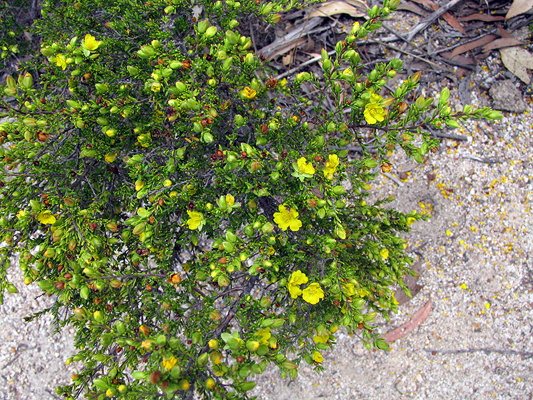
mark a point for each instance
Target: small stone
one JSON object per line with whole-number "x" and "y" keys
{"x": 506, "y": 97}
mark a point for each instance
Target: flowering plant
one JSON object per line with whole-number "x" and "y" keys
{"x": 193, "y": 219}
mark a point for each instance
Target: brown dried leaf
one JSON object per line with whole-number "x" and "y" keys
{"x": 413, "y": 8}
{"x": 500, "y": 43}
{"x": 339, "y": 7}
{"x": 450, "y": 19}
{"x": 518, "y": 61}
{"x": 286, "y": 60}
{"x": 461, "y": 59}
{"x": 410, "y": 282}
{"x": 415, "y": 321}
{"x": 481, "y": 17}
{"x": 285, "y": 47}
{"x": 472, "y": 45}
{"x": 519, "y": 7}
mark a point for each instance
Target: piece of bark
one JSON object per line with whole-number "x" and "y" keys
{"x": 416, "y": 320}
{"x": 410, "y": 282}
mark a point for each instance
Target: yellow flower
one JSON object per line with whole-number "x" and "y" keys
{"x": 196, "y": 220}
{"x": 167, "y": 182}
{"x": 46, "y": 217}
{"x": 109, "y": 158}
{"x": 230, "y": 200}
{"x": 146, "y": 344}
{"x": 375, "y": 98}
{"x": 216, "y": 357}
{"x": 287, "y": 218}
{"x": 283, "y": 82}
{"x": 60, "y": 61}
{"x": 313, "y": 293}
{"x": 21, "y": 214}
{"x": 297, "y": 278}
{"x": 384, "y": 253}
{"x": 348, "y": 289}
{"x": 411, "y": 221}
{"x": 264, "y": 335}
{"x": 321, "y": 339}
{"x": 249, "y": 93}
{"x": 304, "y": 167}
{"x": 90, "y": 42}
{"x": 317, "y": 357}
{"x": 374, "y": 113}
{"x": 331, "y": 166}
{"x": 168, "y": 363}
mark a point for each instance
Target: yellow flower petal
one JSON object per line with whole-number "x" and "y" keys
{"x": 313, "y": 293}
{"x": 46, "y": 217}
{"x": 196, "y": 219}
{"x": 317, "y": 357}
{"x": 249, "y": 93}
{"x": 287, "y": 217}
{"x": 305, "y": 167}
{"x": 90, "y": 42}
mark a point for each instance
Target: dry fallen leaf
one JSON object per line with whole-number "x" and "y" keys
{"x": 449, "y": 18}
{"x": 413, "y": 8}
{"x": 339, "y": 7}
{"x": 472, "y": 45}
{"x": 286, "y": 60}
{"x": 519, "y": 7}
{"x": 481, "y": 17}
{"x": 518, "y": 61}
{"x": 501, "y": 43}
{"x": 415, "y": 321}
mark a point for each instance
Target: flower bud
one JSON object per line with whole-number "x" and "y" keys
{"x": 210, "y": 32}
{"x": 202, "y": 26}
{"x": 98, "y": 316}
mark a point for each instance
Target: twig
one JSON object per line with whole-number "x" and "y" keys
{"x": 448, "y": 135}
{"x": 311, "y": 61}
{"x": 394, "y": 179}
{"x": 429, "y": 19}
{"x": 414, "y": 55}
{"x": 484, "y": 160}
{"x": 456, "y": 63}
{"x": 252, "y": 35}
{"x": 523, "y": 354}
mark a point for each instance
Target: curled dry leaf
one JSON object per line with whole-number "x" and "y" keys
{"x": 415, "y": 321}
{"x": 351, "y": 7}
{"x": 519, "y": 7}
{"x": 518, "y": 61}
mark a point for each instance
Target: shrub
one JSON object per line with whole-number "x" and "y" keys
{"x": 197, "y": 219}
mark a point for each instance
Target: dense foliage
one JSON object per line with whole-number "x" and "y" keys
{"x": 196, "y": 218}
